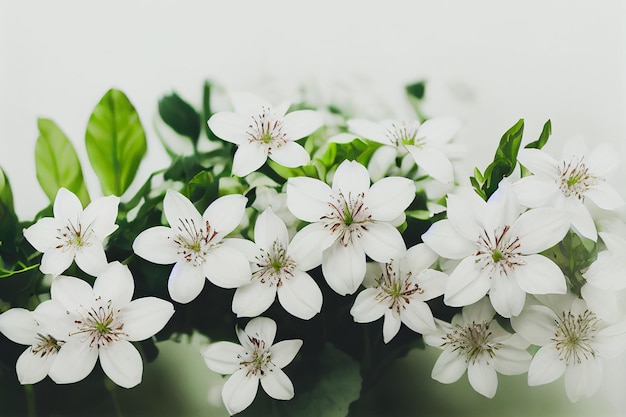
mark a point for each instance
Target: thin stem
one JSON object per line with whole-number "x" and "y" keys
{"x": 112, "y": 388}
{"x": 31, "y": 405}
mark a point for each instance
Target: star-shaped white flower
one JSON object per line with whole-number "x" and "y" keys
{"x": 475, "y": 342}
{"x": 350, "y": 220}
{"x": 427, "y": 143}
{"x": 574, "y": 342}
{"x": 256, "y": 359}
{"x": 261, "y": 130}
{"x": 100, "y": 322}
{"x": 193, "y": 243}
{"x": 569, "y": 182}
{"x": 399, "y": 291}
{"x": 74, "y": 233}
{"x": 20, "y": 326}
{"x": 278, "y": 268}
{"x": 498, "y": 248}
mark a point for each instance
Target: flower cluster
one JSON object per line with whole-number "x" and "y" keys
{"x": 323, "y": 224}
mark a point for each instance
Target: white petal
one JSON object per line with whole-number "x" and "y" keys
{"x": 227, "y": 267}
{"x": 391, "y": 325}
{"x": 248, "y": 158}
{"x": 32, "y": 367}
{"x": 115, "y": 284}
{"x": 248, "y": 104}
{"x": 511, "y": 360}
{"x": 449, "y": 367}
{"x": 607, "y": 271}
{"x": 301, "y": 123}
{"x": 466, "y": 211}
{"x": 540, "y": 275}
{"x": 283, "y": 352}
{"x": 156, "y": 245}
{"x": 434, "y": 162}
{"x": 19, "y": 326}
{"x": 538, "y": 162}
{"x": 145, "y": 317}
{"x": 418, "y": 258}
{"x": 546, "y": 366}
{"x": 122, "y": 363}
{"x": 229, "y": 126}
{"x": 439, "y": 130}
{"x": 606, "y": 304}
{"x": 483, "y": 378}
{"x": 100, "y": 215}
{"x": 506, "y": 296}
{"x": 247, "y": 248}
{"x": 581, "y": 220}
{"x": 467, "y": 284}
{"x": 223, "y": 357}
{"x": 262, "y": 328}
{"x": 480, "y": 311}
{"x": 91, "y": 259}
{"x": 185, "y": 282}
{"x": 539, "y": 229}
{"x": 56, "y": 261}
{"x": 583, "y": 379}
{"x": 268, "y": 229}
{"x": 178, "y": 210}
{"x": 300, "y": 295}
{"x": 277, "y": 385}
{"x": 225, "y": 213}
{"x": 290, "y": 154}
{"x": 535, "y": 190}
{"x": 71, "y": 292}
{"x": 239, "y": 391}
{"x": 343, "y": 268}
{"x": 307, "y": 246}
{"x": 389, "y": 197}
{"x": 536, "y": 324}
{"x": 605, "y": 196}
{"x": 380, "y": 162}
{"x": 603, "y": 159}
{"x": 307, "y": 198}
{"x": 502, "y": 208}
{"x": 442, "y": 238}
{"x": 254, "y": 298}
{"x": 43, "y": 234}
{"x": 67, "y": 207}
{"x": 367, "y": 129}
{"x": 366, "y": 308}
{"x": 75, "y": 360}
{"x": 351, "y": 176}
{"x": 418, "y": 317}
{"x": 382, "y": 242}
{"x": 432, "y": 282}
{"x": 53, "y": 319}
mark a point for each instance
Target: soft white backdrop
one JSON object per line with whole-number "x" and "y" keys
{"x": 487, "y": 62}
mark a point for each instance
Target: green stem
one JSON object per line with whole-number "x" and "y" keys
{"x": 112, "y": 388}
{"x": 31, "y": 405}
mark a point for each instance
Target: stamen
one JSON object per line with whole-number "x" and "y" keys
{"x": 266, "y": 130}
{"x": 472, "y": 341}
{"x": 575, "y": 179}
{"x": 498, "y": 251}
{"x": 194, "y": 242}
{"x": 574, "y": 336}
{"x": 396, "y": 289}
{"x": 100, "y": 325}
{"x": 403, "y": 134}
{"x": 274, "y": 266}
{"x": 348, "y": 217}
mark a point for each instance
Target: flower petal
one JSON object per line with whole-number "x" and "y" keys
{"x": 539, "y": 229}
{"x": 116, "y": 284}
{"x": 535, "y": 190}
{"x": 32, "y": 367}
{"x": 432, "y": 283}
{"x": 300, "y": 295}
{"x": 391, "y": 325}
{"x": 439, "y": 130}
{"x": 301, "y": 123}
{"x": 434, "y": 162}
{"x": 56, "y": 261}
{"x": 185, "y": 282}
{"x": 418, "y": 258}
{"x": 225, "y": 213}
{"x": 254, "y": 298}
{"x": 442, "y": 238}
{"x": 511, "y": 360}
{"x": 538, "y": 162}
{"x": 223, "y": 357}
{"x": 262, "y": 328}
{"x": 581, "y": 219}
{"x": 179, "y": 210}
{"x": 540, "y": 275}
{"x": 307, "y": 246}
{"x": 100, "y": 215}
{"x": 19, "y": 326}
{"x": 343, "y": 267}
{"x": 583, "y": 379}
{"x": 67, "y": 207}
{"x": 466, "y": 212}
{"x": 449, "y": 367}
{"x": 418, "y": 317}
{"x": 382, "y": 242}
{"x": 156, "y": 245}
{"x": 351, "y": 177}
{"x": 483, "y": 378}
{"x": 277, "y": 385}
{"x": 307, "y": 198}
{"x": 467, "y": 284}
{"x": 145, "y": 317}
{"x": 382, "y": 159}
{"x": 546, "y": 366}
{"x": 367, "y": 129}
{"x": 122, "y": 363}
{"x": 229, "y": 126}
{"x": 283, "y": 352}
{"x": 227, "y": 267}
{"x": 75, "y": 360}
{"x": 290, "y": 154}
{"x": 53, "y": 319}
{"x": 70, "y": 292}
{"x": 389, "y": 197}
{"x": 605, "y": 196}
{"x": 269, "y": 228}
{"x": 536, "y": 324}
{"x": 43, "y": 234}
{"x": 506, "y": 296}
{"x": 91, "y": 258}
{"x": 239, "y": 391}
{"x": 366, "y": 308}
{"x": 248, "y": 158}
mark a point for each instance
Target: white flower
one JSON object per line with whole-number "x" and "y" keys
{"x": 74, "y": 233}
{"x": 267, "y": 197}
{"x": 260, "y": 131}
{"x": 100, "y": 322}
{"x": 476, "y": 342}
{"x": 427, "y": 144}
{"x": 193, "y": 243}
{"x": 350, "y": 220}
{"x": 574, "y": 342}
{"x": 400, "y": 292}
{"x": 20, "y": 326}
{"x": 255, "y": 359}
{"x": 568, "y": 183}
{"x": 277, "y": 268}
{"x": 498, "y": 249}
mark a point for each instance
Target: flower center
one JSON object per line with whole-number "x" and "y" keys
{"x": 256, "y": 362}
{"x": 101, "y": 325}
{"x": 574, "y": 179}
{"x": 194, "y": 242}
{"x": 396, "y": 289}
{"x": 403, "y": 134}
{"x": 74, "y": 237}
{"x": 266, "y": 130}
{"x": 472, "y": 341}
{"x": 274, "y": 265}
{"x": 46, "y": 345}
{"x": 498, "y": 251}
{"x": 574, "y": 336}
{"x": 348, "y": 217}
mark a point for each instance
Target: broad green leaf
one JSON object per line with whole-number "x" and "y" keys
{"x": 116, "y": 142}
{"x": 505, "y": 159}
{"x": 203, "y": 190}
{"x": 57, "y": 164}
{"x": 6, "y": 195}
{"x": 180, "y": 116}
{"x": 543, "y": 138}
{"x": 416, "y": 90}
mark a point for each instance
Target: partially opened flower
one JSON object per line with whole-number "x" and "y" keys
{"x": 475, "y": 342}
{"x": 278, "y": 268}
{"x": 100, "y": 322}
{"x": 498, "y": 248}
{"x": 20, "y": 326}
{"x": 256, "y": 359}
{"x": 568, "y": 183}
{"x": 350, "y": 220}
{"x": 193, "y": 243}
{"x": 74, "y": 233}
{"x": 399, "y": 292}
{"x": 261, "y": 130}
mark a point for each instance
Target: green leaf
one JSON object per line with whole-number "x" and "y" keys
{"x": 338, "y": 386}
{"x": 180, "y": 116}
{"x": 206, "y": 110}
{"x": 57, "y": 164}
{"x": 203, "y": 190}
{"x": 505, "y": 159}
{"x": 543, "y": 138}
{"x": 416, "y": 90}
{"x": 116, "y": 142}
{"x": 6, "y": 195}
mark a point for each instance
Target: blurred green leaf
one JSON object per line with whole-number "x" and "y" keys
{"x": 180, "y": 116}
{"x": 6, "y": 195}
{"x": 116, "y": 142}
{"x": 416, "y": 90}
{"x": 57, "y": 164}
{"x": 203, "y": 190}
{"x": 543, "y": 138}
{"x": 206, "y": 110}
